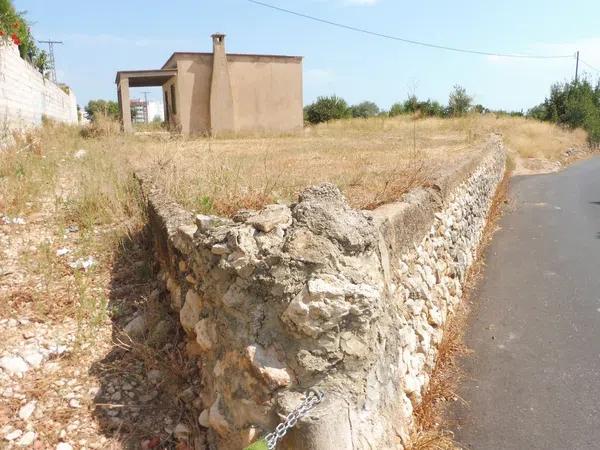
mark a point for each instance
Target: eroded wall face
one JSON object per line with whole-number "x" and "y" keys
{"x": 267, "y": 94}
{"x": 321, "y": 295}
{"x": 26, "y": 96}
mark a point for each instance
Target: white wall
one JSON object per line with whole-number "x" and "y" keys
{"x": 156, "y": 109}
{"x": 26, "y": 96}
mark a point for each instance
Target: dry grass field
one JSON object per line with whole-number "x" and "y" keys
{"x": 372, "y": 161}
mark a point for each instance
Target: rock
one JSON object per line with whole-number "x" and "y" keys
{"x": 33, "y": 358}
{"x": 189, "y": 314}
{"x": 16, "y": 434}
{"x": 27, "y": 410}
{"x": 181, "y": 431}
{"x": 80, "y": 154}
{"x": 205, "y": 334}
{"x": 136, "y": 327}
{"x": 268, "y": 365}
{"x": 63, "y": 251}
{"x": 329, "y": 299}
{"x": 351, "y": 345}
{"x": 204, "y": 222}
{"x": 74, "y": 403}
{"x": 220, "y": 249}
{"x": 203, "y": 418}
{"x": 216, "y": 418}
{"x": 13, "y": 364}
{"x": 270, "y": 217}
{"x": 154, "y": 376}
{"x": 27, "y": 439}
{"x": 83, "y": 263}
{"x": 64, "y": 446}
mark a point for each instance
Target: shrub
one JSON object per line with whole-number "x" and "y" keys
{"x": 396, "y": 109}
{"x": 326, "y": 109}
{"x": 14, "y": 28}
{"x": 364, "y": 110}
{"x": 573, "y": 104}
{"x": 104, "y": 108}
{"x": 459, "y": 102}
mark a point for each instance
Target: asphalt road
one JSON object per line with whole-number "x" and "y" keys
{"x": 533, "y": 381}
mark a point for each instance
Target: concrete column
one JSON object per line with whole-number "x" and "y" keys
{"x": 125, "y": 105}
{"x": 221, "y": 98}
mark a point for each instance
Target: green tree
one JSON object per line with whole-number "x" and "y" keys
{"x": 459, "y": 102}
{"x": 396, "y": 109}
{"x": 13, "y": 23}
{"x": 107, "y": 108}
{"x": 326, "y": 109}
{"x": 364, "y": 110}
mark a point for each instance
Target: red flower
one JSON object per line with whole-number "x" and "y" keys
{"x": 16, "y": 39}
{"x": 16, "y": 25}
{"x": 1, "y": 33}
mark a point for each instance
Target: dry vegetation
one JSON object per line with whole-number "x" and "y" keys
{"x": 60, "y": 177}
{"x": 373, "y": 161}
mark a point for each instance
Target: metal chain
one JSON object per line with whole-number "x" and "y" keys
{"x": 312, "y": 398}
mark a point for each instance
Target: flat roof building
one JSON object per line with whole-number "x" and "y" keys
{"x": 218, "y": 93}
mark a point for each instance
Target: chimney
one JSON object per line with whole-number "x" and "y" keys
{"x": 221, "y": 98}
{"x": 218, "y": 42}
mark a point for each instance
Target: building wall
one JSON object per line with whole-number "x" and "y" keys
{"x": 26, "y": 96}
{"x": 193, "y": 85}
{"x": 267, "y": 93}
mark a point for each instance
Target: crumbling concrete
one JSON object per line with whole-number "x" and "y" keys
{"x": 318, "y": 294}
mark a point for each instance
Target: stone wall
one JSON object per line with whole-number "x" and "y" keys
{"x": 317, "y": 294}
{"x": 26, "y": 96}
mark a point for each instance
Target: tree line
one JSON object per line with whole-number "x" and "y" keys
{"x": 574, "y": 104}
{"x": 333, "y": 107}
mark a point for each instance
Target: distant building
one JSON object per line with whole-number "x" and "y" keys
{"x": 156, "y": 109}
{"x": 222, "y": 93}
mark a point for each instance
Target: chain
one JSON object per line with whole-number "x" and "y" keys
{"x": 312, "y": 398}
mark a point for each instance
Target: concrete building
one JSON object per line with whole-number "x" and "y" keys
{"x": 219, "y": 93}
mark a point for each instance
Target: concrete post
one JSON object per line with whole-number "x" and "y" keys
{"x": 125, "y": 105}
{"x": 221, "y": 97}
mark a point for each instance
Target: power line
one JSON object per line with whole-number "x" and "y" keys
{"x": 589, "y": 65}
{"x": 407, "y": 41}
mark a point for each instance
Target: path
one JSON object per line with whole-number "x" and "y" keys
{"x": 533, "y": 381}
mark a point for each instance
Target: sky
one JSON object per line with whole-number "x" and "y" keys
{"x": 102, "y": 37}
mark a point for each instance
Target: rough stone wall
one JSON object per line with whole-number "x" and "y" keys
{"x": 26, "y": 96}
{"x": 320, "y": 295}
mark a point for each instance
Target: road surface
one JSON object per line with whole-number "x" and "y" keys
{"x": 533, "y": 381}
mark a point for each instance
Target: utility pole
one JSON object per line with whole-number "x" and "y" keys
{"x": 146, "y": 105}
{"x": 51, "y": 60}
{"x": 577, "y": 66}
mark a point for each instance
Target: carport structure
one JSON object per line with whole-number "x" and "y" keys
{"x": 138, "y": 78}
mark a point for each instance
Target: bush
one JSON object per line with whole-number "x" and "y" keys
{"x": 326, "y": 109}
{"x": 364, "y": 110}
{"x": 573, "y": 104}
{"x": 396, "y": 109}
{"x": 102, "y": 108}
{"x": 459, "y": 102}
{"x": 14, "y": 28}
{"x": 412, "y": 105}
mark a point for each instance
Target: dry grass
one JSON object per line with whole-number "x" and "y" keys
{"x": 373, "y": 161}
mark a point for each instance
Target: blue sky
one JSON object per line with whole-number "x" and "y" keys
{"x": 98, "y": 42}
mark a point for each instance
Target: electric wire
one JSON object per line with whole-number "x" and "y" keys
{"x": 405, "y": 40}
